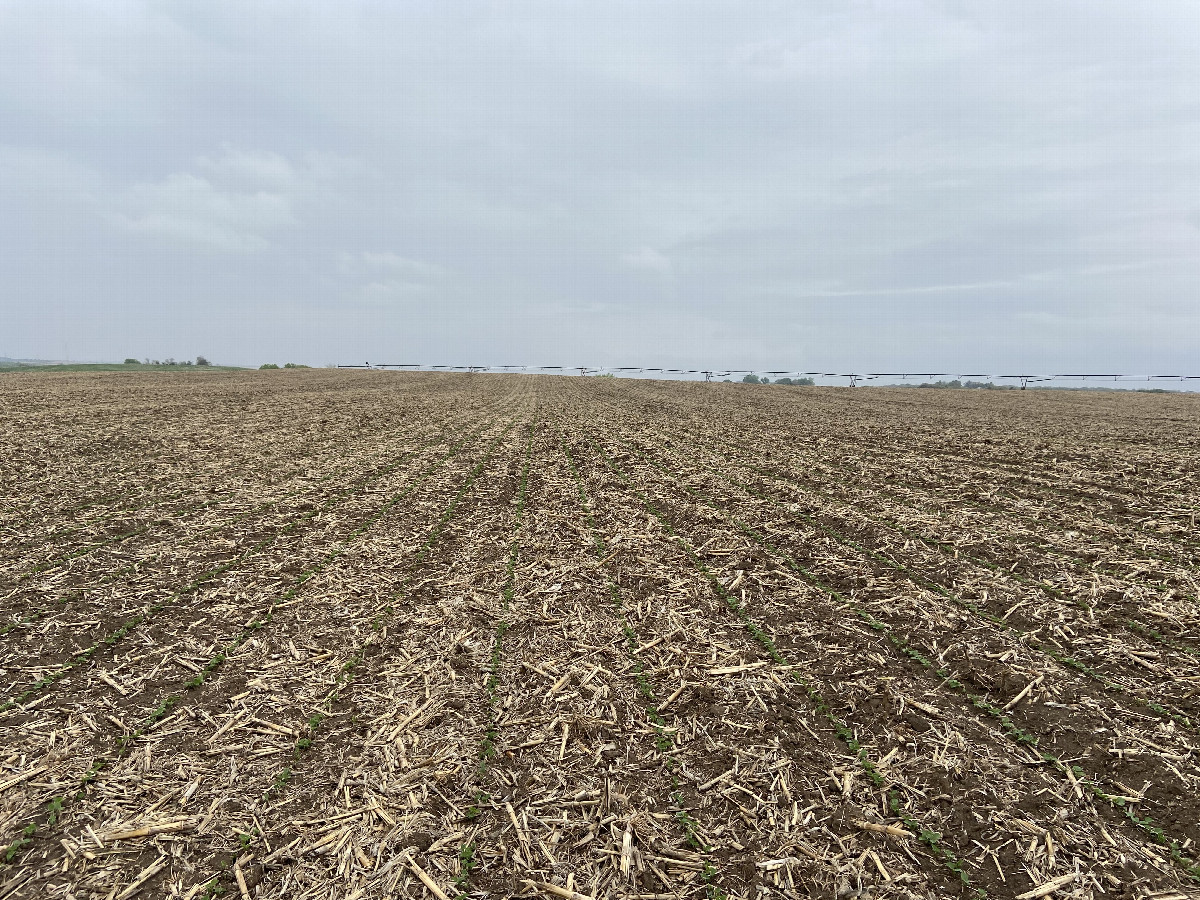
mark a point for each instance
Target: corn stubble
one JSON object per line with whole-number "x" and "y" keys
{"x": 371, "y": 634}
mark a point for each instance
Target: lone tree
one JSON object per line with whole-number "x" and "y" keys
{"x": 201, "y": 361}
{"x": 132, "y": 362}
{"x": 795, "y": 382}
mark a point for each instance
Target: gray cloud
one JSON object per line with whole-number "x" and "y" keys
{"x": 823, "y": 185}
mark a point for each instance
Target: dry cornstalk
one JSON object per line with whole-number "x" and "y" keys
{"x": 426, "y": 880}
{"x": 626, "y": 850}
{"x": 149, "y": 831}
{"x": 1049, "y": 887}
{"x": 891, "y": 830}
{"x": 1024, "y": 693}
{"x": 731, "y": 670}
{"x": 24, "y": 776}
{"x": 145, "y": 875}
{"x": 557, "y": 891}
{"x": 241, "y": 880}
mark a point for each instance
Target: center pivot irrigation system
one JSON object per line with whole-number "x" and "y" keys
{"x": 854, "y": 378}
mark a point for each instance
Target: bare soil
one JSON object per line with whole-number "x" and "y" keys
{"x": 367, "y": 635}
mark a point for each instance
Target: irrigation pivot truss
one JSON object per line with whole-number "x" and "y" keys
{"x": 853, "y": 378}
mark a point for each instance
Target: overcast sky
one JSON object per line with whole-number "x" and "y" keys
{"x": 965, "y": 187}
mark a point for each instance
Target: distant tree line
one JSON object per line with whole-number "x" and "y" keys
{"x": 989, "y": 386}
{"x": 285, "y": 365}
{"x": 795, "y": 382}
{"x": 979, "y": 385}
{"x": 169, "y": 361}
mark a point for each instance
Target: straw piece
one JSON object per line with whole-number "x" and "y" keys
{"x": 1048, "y": 887}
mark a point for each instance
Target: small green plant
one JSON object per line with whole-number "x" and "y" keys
{"x": 54, "y": 810}
{"x": 466, "y": 865}
{"x": 268, "y": 366}
{"x": 688, "y": 824}
{"x": 282, "y": 777}
{"x": 712, "y": 891}
{"x": 15, "y": 848}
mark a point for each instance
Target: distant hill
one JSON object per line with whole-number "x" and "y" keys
{"x": 8, "y": 361}
{"x": 8, "y": 364}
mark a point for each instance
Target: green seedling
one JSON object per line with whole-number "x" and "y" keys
{"x": 664, "y": 743}
{"x": 14, "y": 850}
{"x": 54, "y": 809}
{"x": 466, "y": 865}
{"x": 843, "y": 731}
{"x": 1015, "y": 733}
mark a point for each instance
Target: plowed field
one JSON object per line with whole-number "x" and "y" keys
{"x": 363, "y": 635}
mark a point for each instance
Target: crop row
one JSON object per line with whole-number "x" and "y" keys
{"x": 861, "y": 453}
{"x": 268, "y": 478}
{"x": 903, "y": 648}
{"x": 124, "y": 523}
{"x": 402, "y": 638}
{"x": 144, "y": 562}
{"x": 36, "y": 603}
{"x": 836, "y": 526}
{"x": 1060, "y": 652}
{"x": 620, "y": 656}
{"x": 131, "y": 620}
{"x": 251, "y": 632}
{"x": 355, "y": 664}
{"x": 155, "y": 439}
